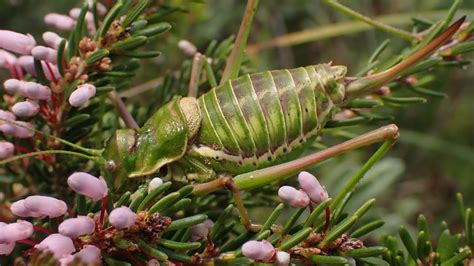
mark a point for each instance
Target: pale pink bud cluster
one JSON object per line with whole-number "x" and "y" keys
{"x": 259, "y": 250}
{"x": 25, "y": 109}
{"x": 6, "y": 149}
{"x": 27, "y": 62}
{"x": 312, "y": 187}
{"x": 187, "y": 47}
{"x": 59, "y": 21}
{"x": 16, "y": 42}
{"x": 202, "y": 230}
{"x": 39, "y": 206}
{"x": 154, "y": 184}
{"x": 89, "y": 255}
{"x": 58, "y": 244}
{"x": 32, "y": 90}
{"x": 52, "y": 39}
{"x": 45, "y": 53}
{"x": 88, "y": 185}
{"x": 295, "y": 198}
{"x": 74, "y": 227}
{"x": 82, "y": 94}
{"x": 122, "y": 217}
{"x": 20, "y": 129}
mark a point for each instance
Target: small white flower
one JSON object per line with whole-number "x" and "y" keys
{"x": 187, "y": 47}
{"x": 154, "y": 184}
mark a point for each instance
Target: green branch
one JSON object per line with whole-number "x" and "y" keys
{"x": 235, "y": 59}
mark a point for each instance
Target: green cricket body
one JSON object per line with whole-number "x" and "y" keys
{"x": 252, "y": 122}
{"x": 263, "y": 119}
{"x": 248, "y": 123}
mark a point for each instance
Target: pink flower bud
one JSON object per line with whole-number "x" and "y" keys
{"x": 89, "y": 255}
{"x": 282, "y": 258}
{"x": 6, "y": 149}
{"x": 88, "y": 185}
{"x": 6, "y": 249}
{"x": 16, "y": 42}
{"x": 25, "y": 109}
{"x": 35, "y": 91}
{"x": 258, "y": 250}
{"x": 101, "y": 9}
{"x": 82, "y": 94}
{"x": 311, "y": 186}
{"x": 12, "y": 85}
{"x": 7, "y": 116}
{"x": 47, "y": 72}
{"x": 7, "y": 59}
{"x": 200, "y": 231}
{"x": 74, "y": 227}
{"x": 60, "y": 245}
{"x": 18, "y": 208}
{"x": 97, "y": 215}
{"x": 28, "y": 64}
{"x": 154, "y": 184}
{"x": 75, "y": 12}
{"x": 122, "y": 217}
{"x": 52, "y": 39}
{"x": 15, "y": 231}
{"x": 59, "y": 21}
{"x": 295, "y": 198}
{"x": 153, "y": 262}
{"x": 47, "y": 206}
{"x": 187, "y": 47}
{"x": 20, "y": 129}
{"x": 45, "y": 53}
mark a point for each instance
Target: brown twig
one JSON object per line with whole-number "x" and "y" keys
{"x": 122, "y": 109}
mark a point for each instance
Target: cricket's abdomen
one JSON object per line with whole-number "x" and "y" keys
{"x": 262, "y": 119}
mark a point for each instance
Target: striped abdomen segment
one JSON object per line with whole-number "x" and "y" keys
{"x": 256, "y": 119}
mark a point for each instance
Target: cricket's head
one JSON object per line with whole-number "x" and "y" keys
{"x": 360, "y": 86}
{"x": 163, "y": 139}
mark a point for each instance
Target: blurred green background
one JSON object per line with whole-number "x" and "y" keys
{"x": 434, "y": 158}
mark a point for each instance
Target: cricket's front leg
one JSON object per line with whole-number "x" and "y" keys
{"x": 228, "y": 183}
{"x": 264, "y": 176}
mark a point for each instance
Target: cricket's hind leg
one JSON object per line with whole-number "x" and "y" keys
{"x": 261, "y": 177}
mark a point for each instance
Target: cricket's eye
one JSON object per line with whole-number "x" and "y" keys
{"x": 110, "y": 165}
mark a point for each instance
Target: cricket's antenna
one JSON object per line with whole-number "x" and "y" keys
{"x": 32, "y": 154}
{"x": 365, "y": 85}
{"x": 93, "y": 152}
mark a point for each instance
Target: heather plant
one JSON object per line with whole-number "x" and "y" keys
{"x": 92, "y": 179}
